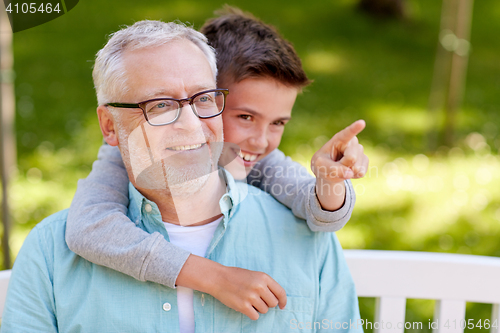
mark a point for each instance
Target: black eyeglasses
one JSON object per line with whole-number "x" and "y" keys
{"x": 164, "y": 111}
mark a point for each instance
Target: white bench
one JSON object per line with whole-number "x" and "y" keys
{"x": 450, "y": 279}
{"x": 4, "y": 283}
{"x": 393, "y": 276}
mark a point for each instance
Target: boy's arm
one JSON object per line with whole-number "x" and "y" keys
{"x": 99, "y": 230}
{"x": 292, "y": 185}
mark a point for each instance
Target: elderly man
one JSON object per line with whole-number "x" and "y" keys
{"x": 171, "y": 144}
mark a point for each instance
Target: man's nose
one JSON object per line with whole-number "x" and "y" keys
{"x": 188, "y": 120}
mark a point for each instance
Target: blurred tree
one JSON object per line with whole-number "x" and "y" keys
{"x": 385, "y": 8}
{"x": 7, "y": 135}
{"x": 450, "y": 69}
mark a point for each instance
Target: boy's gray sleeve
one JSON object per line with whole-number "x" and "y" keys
{"x": 292, "y": 185}
{"x": 99, "y": 230}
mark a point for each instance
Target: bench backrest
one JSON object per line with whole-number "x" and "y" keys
{"x": 450, "y": 279}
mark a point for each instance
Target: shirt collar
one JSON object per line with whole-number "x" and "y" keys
{"x": 139, "y": 205}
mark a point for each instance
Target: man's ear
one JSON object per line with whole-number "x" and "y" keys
{"x": 107, "y": 124}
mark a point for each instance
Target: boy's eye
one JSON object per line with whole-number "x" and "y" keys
{"x": 245, "y": 116}
{"x": 279, "y": 123}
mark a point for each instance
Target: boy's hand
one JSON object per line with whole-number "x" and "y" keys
{"x": 248, "y": 292}
{"x": 245, "y": 291}
{"x": 342, "y": 157}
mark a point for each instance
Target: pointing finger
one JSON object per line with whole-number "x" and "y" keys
{"x": 345, "y": 135}
{"x": 341, "y": 139}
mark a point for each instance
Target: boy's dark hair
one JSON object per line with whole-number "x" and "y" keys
{"x": 248, "y": 48}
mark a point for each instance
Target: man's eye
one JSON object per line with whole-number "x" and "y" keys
{"x": 204, "y": 98}
{"x": 279, "y": 123}
{"x": 162, "y": 106}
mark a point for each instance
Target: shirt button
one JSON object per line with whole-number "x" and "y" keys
{"x": 148, "y": 208}
{"x": 167, "y": 306}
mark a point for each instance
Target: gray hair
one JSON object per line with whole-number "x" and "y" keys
{"x": 109, "y": 74}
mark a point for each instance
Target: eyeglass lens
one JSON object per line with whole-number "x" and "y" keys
{"x": 165, "y": 111}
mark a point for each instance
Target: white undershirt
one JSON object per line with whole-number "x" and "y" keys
{"x": 195, "y": 240}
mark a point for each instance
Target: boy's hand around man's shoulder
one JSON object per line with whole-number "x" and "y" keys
{"x": 341, "y": 158}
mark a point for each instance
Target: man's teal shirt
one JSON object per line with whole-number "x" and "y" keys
{"x": 54, "y": 290}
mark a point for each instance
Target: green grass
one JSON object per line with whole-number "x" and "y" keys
{"x": 381, "y": 71}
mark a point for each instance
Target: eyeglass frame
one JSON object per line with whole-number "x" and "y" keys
{"x": 142, "y": 105}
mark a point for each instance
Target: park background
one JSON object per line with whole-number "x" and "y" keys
{"x": 419, "y": 195}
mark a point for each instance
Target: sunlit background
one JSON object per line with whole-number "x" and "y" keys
{"x": 420, "y": 194}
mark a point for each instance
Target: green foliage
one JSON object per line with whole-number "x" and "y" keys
{"x": 380, "y": 71}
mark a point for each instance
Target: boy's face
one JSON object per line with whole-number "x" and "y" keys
{"x": 255, "y": 115}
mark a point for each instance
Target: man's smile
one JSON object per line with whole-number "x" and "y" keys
{"x": 187, "y": 147}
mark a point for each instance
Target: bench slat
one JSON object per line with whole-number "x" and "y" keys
{"x": 450, "y": 316}
{"x": 389, "y": 312}
{"x": 495, "y": 316}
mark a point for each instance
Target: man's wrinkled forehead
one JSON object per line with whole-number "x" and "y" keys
{"x": 173, "y": 86}
{"x": 177, "y": 69}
